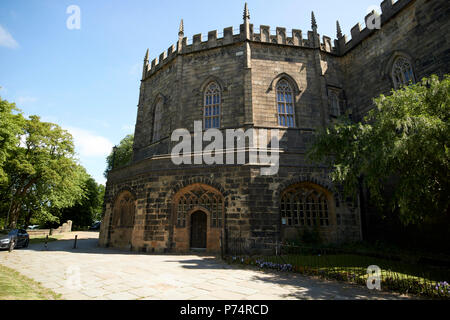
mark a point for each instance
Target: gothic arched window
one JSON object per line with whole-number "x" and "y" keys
{"x": 124, "y": 210}
{"x": 199, "y": 195}
{"x": 285, "y": 104}
{"x": 402, "y": 72}
{"x": 334, "y": 105}
{"x": 157, "y": 120}
{"x": 212, "y": 104}
{"x": 304, "y": 206}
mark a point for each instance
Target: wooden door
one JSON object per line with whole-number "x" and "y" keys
{"x": 198, "y": 230}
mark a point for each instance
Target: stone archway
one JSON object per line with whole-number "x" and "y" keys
{"x": 307, "y": 207}
{"x": 122, "y": 222}
{"x": 198, "y": 208}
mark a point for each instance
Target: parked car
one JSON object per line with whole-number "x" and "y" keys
{"x": 10, "y": 239}
{"x": 33, "y": 227}
{"x": 96, "y": 226}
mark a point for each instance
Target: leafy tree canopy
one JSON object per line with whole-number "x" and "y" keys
{"x": 89, "y": 208}
{"x": 402, "y": 143}
{"x": 11, "y": 122}
{"x": 39, "y": 171}
{"x": 122, "y": 156}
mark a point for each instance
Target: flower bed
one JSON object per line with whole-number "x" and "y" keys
{"x": 390, "y": 280}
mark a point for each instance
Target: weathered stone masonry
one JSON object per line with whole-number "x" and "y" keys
{"x": 153, "y": 205}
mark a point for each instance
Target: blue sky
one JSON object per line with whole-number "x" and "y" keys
{"x": 87, "y": 80}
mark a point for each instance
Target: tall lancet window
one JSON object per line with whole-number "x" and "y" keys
{"x": 402, "y": 72}
{"x": 157, "y": 120}
{"x": 334, "y": 105}
{"x": 211, "y": 111}
{"x": 285, "y": 100}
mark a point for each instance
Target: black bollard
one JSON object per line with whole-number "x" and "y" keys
{"x": 46, "y": 242}
{"x": 75, "y": 242}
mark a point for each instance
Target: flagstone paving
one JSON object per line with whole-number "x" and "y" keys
{"x": 90, "y": 272}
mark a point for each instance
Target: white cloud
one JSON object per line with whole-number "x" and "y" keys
{"x": 88, "y": 144}
{"x": 7, "y": 40}
{"x": 25, "y": 100}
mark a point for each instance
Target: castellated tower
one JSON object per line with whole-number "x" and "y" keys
{"x": 259, "y": 79}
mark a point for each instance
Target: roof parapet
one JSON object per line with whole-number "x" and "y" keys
{"x": 279, "y": 36}
{"x": 373, "y": 22}
{"x": 342, "y": 45}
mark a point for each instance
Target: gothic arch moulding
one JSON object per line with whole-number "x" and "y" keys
{"x": 156, "y": 99}
{"x": 306, "y": 204}
{"x": 197, "y": 197}
{"x": 124, "y": 209}
{"x": 113, "y": 199}
{"x": 289, "y": 79}
{"x": 176, "y": 187}
{"x": 210, "y": 79}
{"x": 313, "y": 179}
{"x": 389, "y": 63}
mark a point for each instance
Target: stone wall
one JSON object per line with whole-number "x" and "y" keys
{"x": 251, "y": 203}
{"x": 65, "y": 227}
{"x": 417, "y": 31}
{"x": 269, "y": 64}
{"x": 247, "y": 67}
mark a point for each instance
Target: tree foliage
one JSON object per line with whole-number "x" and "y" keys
{"x": 89, "y": 208}
{"x": 10, "y": 129}
{"x": 400, "y": 149}
{"x": 122, "y": 155}
{"x": 39, "y": 174}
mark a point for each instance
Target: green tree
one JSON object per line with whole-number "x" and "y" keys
{"x": 11, "y": 124}
{"x": 43, "y": 175}
{"x": 87, "y": 209}
{"x": 400, "y": 149}
{"x": 121, "y": 156}
{"x": 101, "y": 196}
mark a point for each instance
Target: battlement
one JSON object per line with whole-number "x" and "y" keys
{"x": 373, "y": 22}
{"x": 264, "y": 34}
{"x": 278, "y": 36}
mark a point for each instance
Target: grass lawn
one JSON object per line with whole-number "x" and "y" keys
{"x": 14, "y": 286}
{"x": 358, "y": 264}
{"x": 41, "y": 239}
{"x": 397, "y": 275}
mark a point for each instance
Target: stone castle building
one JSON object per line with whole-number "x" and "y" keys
{"x": 262, "y": 79}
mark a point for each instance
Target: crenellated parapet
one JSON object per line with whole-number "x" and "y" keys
{"x": 373, "y": 22}
{"x": 278, "y": 36}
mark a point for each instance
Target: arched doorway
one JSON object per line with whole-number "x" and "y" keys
{"x": 198, "y": 218}
{"x": 198, "y": 230}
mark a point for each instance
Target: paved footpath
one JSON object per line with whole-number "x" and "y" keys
{"x": 90, "y": 272}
